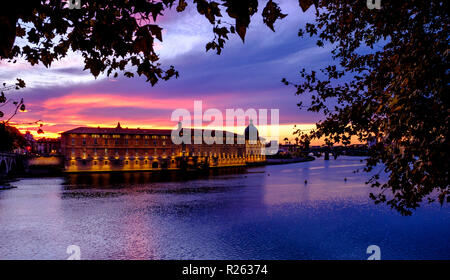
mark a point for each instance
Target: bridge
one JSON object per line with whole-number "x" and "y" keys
{"x": 352, "y": 150}
{"x": 8, "y": 163}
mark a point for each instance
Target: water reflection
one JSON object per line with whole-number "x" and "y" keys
{"x": 256, "y": 213}
{"x": 130, "y": 179}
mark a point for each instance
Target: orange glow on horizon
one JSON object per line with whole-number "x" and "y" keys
{"x": 66, "y": 112}
{"x": 102, "y": 100}
{"x": 285, "y": 130}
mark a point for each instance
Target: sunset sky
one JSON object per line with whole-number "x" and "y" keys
{"x": 243, "y": 76}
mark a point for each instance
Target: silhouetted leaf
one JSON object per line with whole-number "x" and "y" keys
{"x": 271, "y": 13}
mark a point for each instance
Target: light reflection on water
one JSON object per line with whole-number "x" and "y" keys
{"x": 259, "y": 213}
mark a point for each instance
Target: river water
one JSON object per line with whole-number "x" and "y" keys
{"x": 258, "y": 213}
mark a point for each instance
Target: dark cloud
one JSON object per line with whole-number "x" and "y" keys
{"x": 244, "y": 76}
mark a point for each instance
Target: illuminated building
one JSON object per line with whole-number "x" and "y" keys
{"x": 124, "y": 149}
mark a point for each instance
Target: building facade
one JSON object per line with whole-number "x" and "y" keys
{"x": 121, "y": 149}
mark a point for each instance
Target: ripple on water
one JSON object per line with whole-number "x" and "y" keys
{"x": 236, "y": 215}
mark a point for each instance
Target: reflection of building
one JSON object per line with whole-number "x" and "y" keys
{"x": 116, "y": 149}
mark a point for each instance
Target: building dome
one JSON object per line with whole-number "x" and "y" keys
{"x": 251, "y": 132}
